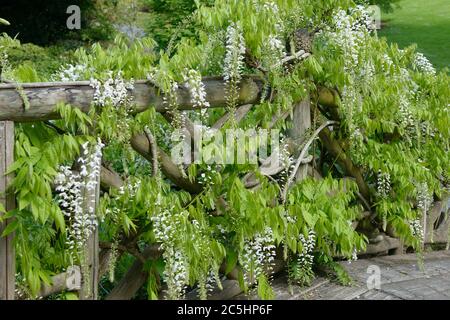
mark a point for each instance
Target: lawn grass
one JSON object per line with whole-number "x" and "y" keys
{"x": 424, "y": 22}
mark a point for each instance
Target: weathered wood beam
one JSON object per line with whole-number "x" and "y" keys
{"x": 140, "y": 143}
{"x": 301, "y": 123}
{"x": 109, "y": 179}
{"x": 387, "y": 244}
{"x": 7, "y": 199}
{"x": 43, "y": 97}
{"x": 66, "y": 281}
{"x": 336, "y": 150}
{"x": 134, "y": 278}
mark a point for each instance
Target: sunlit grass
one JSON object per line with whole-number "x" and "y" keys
{"x": 426, "y": 23}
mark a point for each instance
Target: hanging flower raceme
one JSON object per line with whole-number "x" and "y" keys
{"x": 305, "y": 258}
{"x": 72, "y": 187}
{"x": 383, "y": 184}
{"x": 235, "y": 50}
{"x": 416, "y": 229}
{"x": 193, "y": 81}
{"x": 424, "y": 198}
{"x": 349, "y": 31}
{"x": 166, "y": 229}
{"x": 258, "y": 255}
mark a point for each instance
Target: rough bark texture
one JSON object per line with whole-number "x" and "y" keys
{"x": 438, "y": 222}
{"x": 140, "y": 143}
{"x": 7, "y": 252}
{"x": 109, "y": 179}
{"x": 301, "y": 123}
{"x": 43, "y": 97}
{"x": 66, "y": 281}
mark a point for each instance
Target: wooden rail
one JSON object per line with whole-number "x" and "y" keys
{"x": 43, "y": 97}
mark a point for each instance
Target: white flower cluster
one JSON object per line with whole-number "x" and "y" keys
{"x": 70, "y": 73}
{"x": 131, "y": 188}
{"x": 258, "y": 255}
{"x": 165, "y": 227}
{"x": 416, "y": 229}
{"x": 235, "y": 51}
{"x": 113, "y": 91}
{"x": 71, "y": 187}
{"x": 422, "y": 64}
{"x": 271, "y": 6}
{"x": 305, "y": 258}
{"x": 356, "y": 142}
{"x": 406, "y": 117}
{"x": 193, "y": 81}
{"x": 276, "y": 51}
{"x": 350, "y": 32}
{"x": 363, "y": 18}
{"x": 176, "y": 273}
{"x": 424, "y": 198}
{"x": 206, "y": 178}
{"x": 383, "y": 184}
{"x": 367, "y": 72}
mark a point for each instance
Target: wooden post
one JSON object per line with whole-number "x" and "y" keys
{"x": 7, "y": 199}
{"x": 301, "y": 123}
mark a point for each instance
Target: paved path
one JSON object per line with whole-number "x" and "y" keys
{"x": 401, "y": 278}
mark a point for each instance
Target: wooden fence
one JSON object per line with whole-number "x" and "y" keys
{"x": 42, "y": 99}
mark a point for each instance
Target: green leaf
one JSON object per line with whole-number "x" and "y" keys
{"x": 231, "y": 260}
{"x": 71, "y": 296}
{"x": 11, "y": 227}
{"x": 5, "y": 22}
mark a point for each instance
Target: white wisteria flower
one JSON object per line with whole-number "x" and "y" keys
{"x": 193, "y": 81}
{"x": 424, "y": 198}
{"x": 422, "y": 63}
{"x": 72, "y": 187}
{"x": 305, "y": 257}
{"x": 383, "y": 184}
{"x": 416, "y": 229}
{"x": 258, "y": 255}
{"x": 235, "y": 50}
{"x": 112, "y": 91}
{"x": 70, "y": 72}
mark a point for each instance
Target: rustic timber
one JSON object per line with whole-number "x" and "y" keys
{"x": 66, "y": 281}
{"x": 139, "y": 142}
{"x": 109, "y": 179}
{"x": 438, "y": 222}
{"x": 7, "y": 199}
{"x": 43, "y": 97}
{"x": 301, "y": 123}
{"x": 135, "y": 277}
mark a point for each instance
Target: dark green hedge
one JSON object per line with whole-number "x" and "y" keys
{"x": 44, "y": 22}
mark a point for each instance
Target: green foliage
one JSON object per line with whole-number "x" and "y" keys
{"x": 45, "y": 61}
{"x": 197, "y": 232}
{"x": 170, "y": 19}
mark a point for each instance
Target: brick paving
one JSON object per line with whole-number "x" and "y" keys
{"x": 401, "y": 278}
